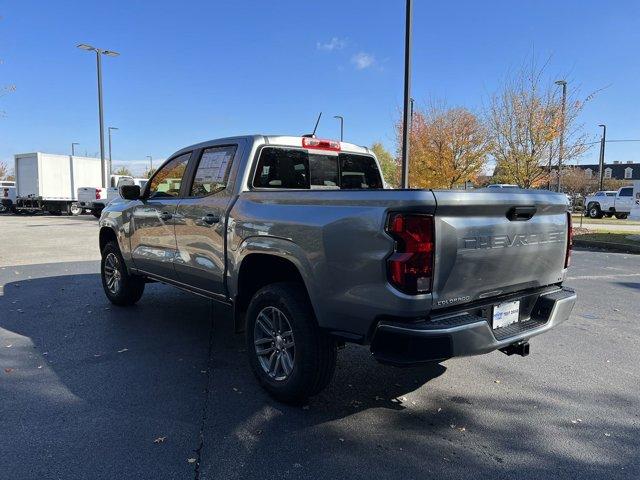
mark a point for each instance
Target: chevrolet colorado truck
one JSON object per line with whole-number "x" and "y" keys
{"x": 301, "y": 239}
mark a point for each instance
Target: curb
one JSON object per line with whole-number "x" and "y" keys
{"x": 613, "y": 247}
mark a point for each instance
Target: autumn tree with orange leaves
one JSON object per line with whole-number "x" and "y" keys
{"x": 448, "y": 147}
{"x": 524, "y": 120}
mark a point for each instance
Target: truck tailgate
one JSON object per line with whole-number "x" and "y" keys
{"x": 493, "y": 243}
{"x": 86, "y": 194}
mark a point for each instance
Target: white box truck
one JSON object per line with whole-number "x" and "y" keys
{"x": 46, "y": 181}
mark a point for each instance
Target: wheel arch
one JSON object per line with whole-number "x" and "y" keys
{"x": 258, "y": 267}
{"x": 107, "y": 234}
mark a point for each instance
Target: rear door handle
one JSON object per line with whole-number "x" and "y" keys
{"x": 211, "y": 218}
{"x": 165, "y": 216}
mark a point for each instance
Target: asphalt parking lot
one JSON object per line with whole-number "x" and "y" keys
{"x": 163, "y": 389}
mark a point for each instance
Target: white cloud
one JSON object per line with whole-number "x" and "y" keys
{"x": 334, "y": 44}
{"x": 363, "y": 60}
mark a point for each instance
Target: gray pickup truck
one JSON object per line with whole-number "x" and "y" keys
{"x": 301, "y": 239}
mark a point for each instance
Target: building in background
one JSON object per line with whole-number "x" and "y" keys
{"x": 613, "y": 171}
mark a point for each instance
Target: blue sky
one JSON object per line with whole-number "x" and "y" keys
{"x": 196, "y": 70}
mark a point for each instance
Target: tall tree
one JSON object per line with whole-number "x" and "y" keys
{"x": 4, "y": 171}
{"x": 148, "y": 173}
{"x": 123, "y": 171}
{"x": 448, "y": 147}
{"x": 525, "y": 121}
{"x": 388, "y": 164}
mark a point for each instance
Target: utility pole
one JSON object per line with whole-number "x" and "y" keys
{"x": 150, "y": 162}
{"x": 110, "y": 129}
{"x": 341, "y": 118}
{"x": 406, "y": 120}
{"x": 562, "y": 127}
{"x": 603, "y": 140}
{"x": 99, "y": 52}
{"x": 73, "y": 149}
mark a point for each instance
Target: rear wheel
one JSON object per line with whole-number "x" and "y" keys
{"x": 290, "y": 355}
{"x": 120, "y": 287}
{"x": 96, "y": 213}
{"x": 621, "y": 216}
{"x": 74, "y": 209}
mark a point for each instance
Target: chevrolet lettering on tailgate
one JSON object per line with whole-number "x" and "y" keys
{"x": 506, "y": 241}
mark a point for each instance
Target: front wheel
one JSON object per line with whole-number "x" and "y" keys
{"x": 595, "y": 212}
{"x": 120, "y": 287}
{"x": 290, "y": 355}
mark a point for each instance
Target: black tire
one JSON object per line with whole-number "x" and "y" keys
{"x": 74, "y": 209}
{"x": 129, "y": 288}
{"x": 621, "y": 216}
{"x": 314, "y": 351}
{"x": 594, "y": 211}
{"x": 96, "y": 213}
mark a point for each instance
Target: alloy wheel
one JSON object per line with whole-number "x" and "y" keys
{"x": 112, "y": 273}
{"x": 274, "y": 343}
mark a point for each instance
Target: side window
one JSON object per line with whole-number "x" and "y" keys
{"x": 358, "y": 172}
{"x": 166, "y": 181}
{"x": 282, "y": 168}
{"x": 626, "y": 192}
{"x": 213, "y": 170}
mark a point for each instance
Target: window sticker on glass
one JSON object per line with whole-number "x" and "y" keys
{"x": 213, "y": 168}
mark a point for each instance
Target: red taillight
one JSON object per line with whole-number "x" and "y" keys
{"x": 567, "y": 257}
{"x": 410, "y": 266}
{"x": 320, "y": 144}
{"x": 98, "y": 193}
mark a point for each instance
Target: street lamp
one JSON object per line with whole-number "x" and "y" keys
{"x": 150, "y": 163}
{"x": 341, "y": 118}
{"x": 602, "y": 144}
{"x": 73, "y": 150}
{"x": 110, "y": 158}
{"x": 562, "y": 126}
{"x": 407, "y": 95}
{"x": 108, "y": 53}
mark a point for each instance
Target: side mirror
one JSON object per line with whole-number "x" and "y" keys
{"x": 129, "y": 192}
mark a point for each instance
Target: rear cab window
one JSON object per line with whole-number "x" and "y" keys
{"x": 292, "y": 168}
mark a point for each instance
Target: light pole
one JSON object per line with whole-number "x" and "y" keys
{"x": 602, "y": 144}
{"x": 73, "y": 149}
{"x": 407, "y": 95}
{"x": 110, "y": 158}
{"x": 150, "y": 163}
{"x": 341, "y": 118}
{"x": 108, "y": 53}
{"x": 562, "y": 126}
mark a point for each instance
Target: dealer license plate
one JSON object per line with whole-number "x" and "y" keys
{"x": 506, "y": 313}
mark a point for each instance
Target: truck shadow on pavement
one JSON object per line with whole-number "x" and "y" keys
{"x": 88, "y": 390}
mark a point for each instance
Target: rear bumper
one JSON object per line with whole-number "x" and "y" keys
{"x": 464, "y": 334}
